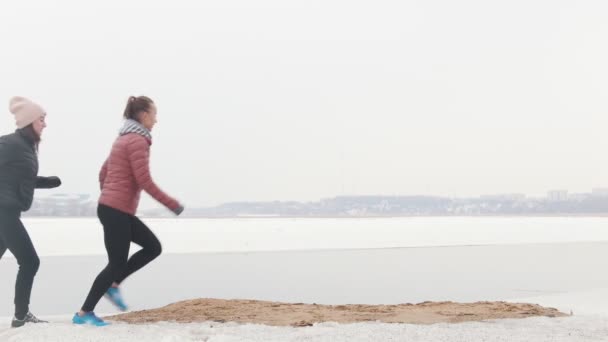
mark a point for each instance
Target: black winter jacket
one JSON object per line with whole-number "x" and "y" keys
{"x": 19, "y": 171}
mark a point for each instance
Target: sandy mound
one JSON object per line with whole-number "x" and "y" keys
{"x": 298, "y": 314}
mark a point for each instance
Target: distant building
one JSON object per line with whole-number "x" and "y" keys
{"x": 63, "y": 205}
{"x": 599, "y": 192}
{"x": 504, "y": 197}
{"x": 579, "y": 197}
{"x": 557, "y": 195}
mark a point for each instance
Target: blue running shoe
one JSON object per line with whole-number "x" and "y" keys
{"x": 114, "y": 296}
{"x": 89, "y": 318}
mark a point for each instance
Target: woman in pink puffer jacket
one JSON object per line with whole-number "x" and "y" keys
{"x": 123, "y": 176}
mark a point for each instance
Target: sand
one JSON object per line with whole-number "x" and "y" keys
{"x": 299, "y": 314}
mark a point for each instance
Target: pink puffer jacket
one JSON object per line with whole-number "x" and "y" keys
{"x": 126, "y": 173}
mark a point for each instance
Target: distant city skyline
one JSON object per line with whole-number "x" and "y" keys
{"x": 555, "y": 202}
{"x": 600, "y": 191}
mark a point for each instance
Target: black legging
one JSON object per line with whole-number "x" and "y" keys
{"x": 120, "y": 229}
{"x": 14, "y": 237}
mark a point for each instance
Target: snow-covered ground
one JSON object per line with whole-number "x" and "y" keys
{"x": 535, "y": 260}
{"x": 590, "y": 325}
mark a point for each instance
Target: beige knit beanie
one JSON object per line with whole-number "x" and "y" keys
{"x": 25, "y": 111}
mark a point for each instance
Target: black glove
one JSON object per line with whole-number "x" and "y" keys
{"x": 47, "y": 182}
{"x": 178, "y": 210}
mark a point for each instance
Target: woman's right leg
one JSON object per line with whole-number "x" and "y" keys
{"x": 151, "y": 248}
{"x": 17, "y": 240}
{"x": 117, "y": 238}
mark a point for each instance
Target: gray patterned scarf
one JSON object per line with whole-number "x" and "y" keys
{"x": 132, "y": 126}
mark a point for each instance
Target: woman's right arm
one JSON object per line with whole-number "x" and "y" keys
{"x": 139, "y": 158}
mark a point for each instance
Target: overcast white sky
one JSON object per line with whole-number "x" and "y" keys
{"x": 299, "y": 100}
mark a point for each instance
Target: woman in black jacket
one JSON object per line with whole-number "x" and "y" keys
{"x": 18, "y": 179}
